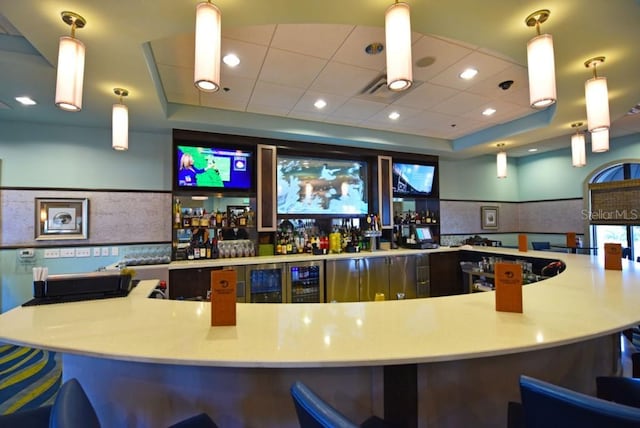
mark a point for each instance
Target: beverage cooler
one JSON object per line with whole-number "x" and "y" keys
{"x": 266, "y": 283}
{"x": 305, "y": 282}
{"x": 301, "y": 282}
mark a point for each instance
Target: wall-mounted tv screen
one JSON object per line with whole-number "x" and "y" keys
{"x": 213, "y": 168}
{"x": 321, "y": 186}
{"x": 411, "y": 179}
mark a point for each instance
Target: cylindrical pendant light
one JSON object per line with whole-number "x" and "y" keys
{"x": 208, "y": 33}
{"x": 600, "y": 141}
{"x": 397, "y": 26}
{"x": 597, "y": 98}
{"x": 501, "y": 162}
{"x": 578, "y": 154}
{"x": 70, "y": 74}
{"x": 541, "y": 63}
{"x": 120, "y": 122}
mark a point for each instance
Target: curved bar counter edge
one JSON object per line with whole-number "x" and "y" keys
{"x": 438, "y": 362}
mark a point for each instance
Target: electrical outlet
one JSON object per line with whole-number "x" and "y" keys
{"x": 83, "y": 252}
{"x": 105, "y": 251}
{"x": 96, "y": 252}
{"x": 114, "y": 251}
{"x": 51, "y": 253}
{"x": 67, "y": 252}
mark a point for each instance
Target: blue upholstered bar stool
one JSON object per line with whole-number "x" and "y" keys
{"x": 548, "y": 405}
{"x": 72, "y": 409}
{"x": 541, "y": 245}
{"x": 313, "y": 412}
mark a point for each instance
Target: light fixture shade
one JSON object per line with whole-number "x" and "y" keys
{"x": 600, "y": 141}
{"x": 70, "y": 77}
{"x": 542, "y": 71}
{"x": 597, "y": 98}
{"x": 207, "y": 63}
{"x": 397, "y": 25}
{"x": 120, "y": 127}
{"x": 578, "y": 154}
{"x": 501, "y": 163}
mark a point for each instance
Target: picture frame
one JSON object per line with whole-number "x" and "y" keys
{"x": 489, "y": 217}
{"x": 60, "y": 218}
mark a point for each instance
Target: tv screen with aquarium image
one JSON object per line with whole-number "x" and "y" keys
{"x": 321, "y": 186}
{"x": 213, "y": 168}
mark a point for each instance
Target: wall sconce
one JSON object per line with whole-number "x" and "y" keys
{"x": 501, "y": 161}
{"x": 597, "y": 98}
{"x": 208, "y": 34}
{"x": 70, "y": 75}
{"x": 120, "y": 122}
{"x": 600, "y": 141}
{"x": 540, "y": 63}
{"x": 578, "y": 155}
{"x": 397, "y": 26}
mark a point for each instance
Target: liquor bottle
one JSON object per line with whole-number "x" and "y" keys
{"x": 207, "y": 249}
{"x": 177, "y": 214}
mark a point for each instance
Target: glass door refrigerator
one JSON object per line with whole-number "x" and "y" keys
{"x": 305, "y": 282}
{"x": 266, "y": 283}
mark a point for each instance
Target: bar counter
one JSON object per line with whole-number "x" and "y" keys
{"x": 151, "y": 362}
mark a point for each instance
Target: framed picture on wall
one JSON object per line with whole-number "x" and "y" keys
{"x": 57, "y": 218}
{"x": 489, "y": 217}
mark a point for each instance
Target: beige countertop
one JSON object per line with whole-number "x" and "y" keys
{"x": 585, "y": 301}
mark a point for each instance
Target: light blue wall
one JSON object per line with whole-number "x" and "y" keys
{"x": 551, "y": 176}
{"x": 544, "y": 176}
{"x": 47, "y": 156}
{"x": 475, "y": 180}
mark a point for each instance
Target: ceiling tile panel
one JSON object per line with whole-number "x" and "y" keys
{"x": 251, "y": 57}
{"x": 317, "y": 40}
{"x": 306, "y": 103}
{"x": 460, "y": 104}
{"x": 425, "y": 96}
{"x": 357, "y": 110}
{"x": 291, "y": 69}
{"x": 343, "y": 79}
{"x": 353, "y": 51}
{"x": 432, "y": 55}
{"x": 486, "y": 65}
{"x": 278, "y": 96}
{"x": 256, "y": 34}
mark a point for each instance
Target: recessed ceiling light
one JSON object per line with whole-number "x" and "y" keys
{"x": 231, "y": 60}
{"x": 26, "y": 101}
{"x": 469, "y": 73}
{"x": 488, "y": 112}
{"x": 394, "y": 115}
{"x": 532, "y": 150}
{"x": 320, "y": 104}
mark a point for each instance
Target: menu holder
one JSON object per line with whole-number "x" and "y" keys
{"x": 223, "y": 297}
{"x": 508, "y": 282}
{"x": 571, "y": 239}
{"x": 613, "y": 256}
{"x": 522, "y": 242}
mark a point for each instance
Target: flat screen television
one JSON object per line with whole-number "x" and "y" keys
{"x": 213, "y": 168}
{"x": 321, "y": 186}
{"x": 411, "y": 179}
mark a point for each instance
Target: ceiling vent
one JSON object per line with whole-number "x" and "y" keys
{"x": 377, "y": 90}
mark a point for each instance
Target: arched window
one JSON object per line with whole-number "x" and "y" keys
{"x": 614, "y": 217}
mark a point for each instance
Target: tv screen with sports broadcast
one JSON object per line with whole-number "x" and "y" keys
{"x": 213, "y": 168}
